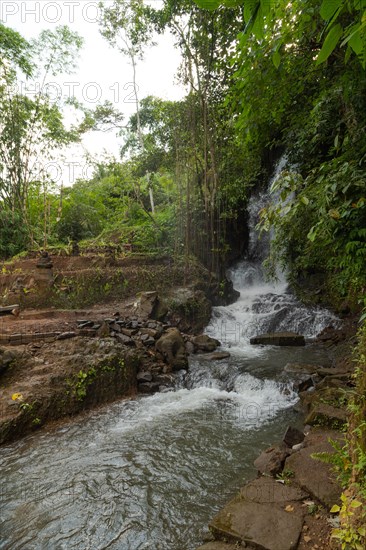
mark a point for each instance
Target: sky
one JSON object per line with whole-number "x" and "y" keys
{"x": 102, "y": 73}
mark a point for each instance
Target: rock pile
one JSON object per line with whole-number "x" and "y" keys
{"x": 164, "y": 350}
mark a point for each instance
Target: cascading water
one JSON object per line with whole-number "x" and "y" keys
{"x": 150, "y": 473}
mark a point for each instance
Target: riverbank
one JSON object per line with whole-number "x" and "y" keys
{"x": 57, "y": 363}
{"x": 288, "y": 506}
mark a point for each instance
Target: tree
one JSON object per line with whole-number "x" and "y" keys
{"x": 126, "y": 27}
{"x": 344, "y": 23}
{"x": 31, "y": 127}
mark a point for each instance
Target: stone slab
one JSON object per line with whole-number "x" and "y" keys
{"x": 314, "y": 476}
{"x": 326, "y": 415}
{"x": 266, "y": 526}
{"x": 258, "y": 516}
{"x": 266, "y": 490}
{"x": 301, "y": 368}
{"x": 279, "y": 339}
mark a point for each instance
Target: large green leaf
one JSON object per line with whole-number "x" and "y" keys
{"x": 232, "y": 3}
{"x": 329, "y": 7}
{"x": 330, "y": 42}
{"x": 250, "y": 9}
{"x": 276, "y": 58}
{"x": 208, "y": 4}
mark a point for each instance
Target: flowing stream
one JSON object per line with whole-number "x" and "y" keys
{"x": 150, "y": 473}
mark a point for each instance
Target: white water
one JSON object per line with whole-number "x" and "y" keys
{"x": 261, "y": 308}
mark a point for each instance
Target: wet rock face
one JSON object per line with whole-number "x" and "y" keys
{"x": 172, "y": 347}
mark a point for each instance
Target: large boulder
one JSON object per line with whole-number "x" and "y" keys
{"x": 204, "y": 343}
{"x": 186, "y": 308}
{"x": 172, "y": 347}
{"x": 145, "y": 304}
{"x": 279, "y": 339}
{"x": 271, "y": 461}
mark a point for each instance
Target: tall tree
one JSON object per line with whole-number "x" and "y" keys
{"x": 31, "y": 127}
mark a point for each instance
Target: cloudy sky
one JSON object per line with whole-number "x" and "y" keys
{"x": 102, "y": 73}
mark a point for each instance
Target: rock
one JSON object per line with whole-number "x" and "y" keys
{"x": 85, "y": 324}
{"x": 314, "y": 476}
{"x": 126, "y": 340}
{"x": 271, "y": 461}
{"x": 148, "y": 387}
{"x": 301, "y": 368}
{"x": 145, "y": 304}
{"x": 189, "y": 347}
{"x": 187, "y": 308}
{"x": 218, "y": 545}
{"x": 89, "y": 332}
{"x": 293, "y": 436}
{"x": 172, "y": 347}
{"x": 279, "y": 339}
{"x": 257, "y": 516}
{"x": 215, "y": 356}
{"x": 129, "y": 331}
{"x": 103, "y": 331}
{"x": 66, "y": 335}
{"x": 44, "y": 261}
{"x": 150, "y": 341}
{"x": 322, "y": 414}
{"x": 115, "y": 327}
{"x": 298, "y": 446}
{"x": 304, "y": 384}
{"x": 10, "y": 310}
{"x": 333, "y": 371}
{"x": 144, "y": 376}
{"x": 166, "y": 380}
{"x": 160, "y": 311}
{"x": 7, "y": 356}
{"x": 339, "y": 381}
{"x": 204, "y": 343}
{"x": 150, "y": 332}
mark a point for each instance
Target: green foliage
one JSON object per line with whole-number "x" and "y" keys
{"x": 350, "y": 536}
{"x": 344, "y": 19}
{"x": 78, "y": 222}
{"x": 79, "y": 384}
{"x": 14, "y": 49}
{"x": 349, "y": 461}
{"x": 327, "y": 209}
{"x": 13, "y": 234}
{"x": 31, "y": 127}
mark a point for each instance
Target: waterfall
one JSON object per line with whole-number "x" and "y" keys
{"x": 262, "y": 306}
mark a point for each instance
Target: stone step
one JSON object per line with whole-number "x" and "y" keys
{"x": 265, "y": 514}
{"x": 314, "y": 476}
